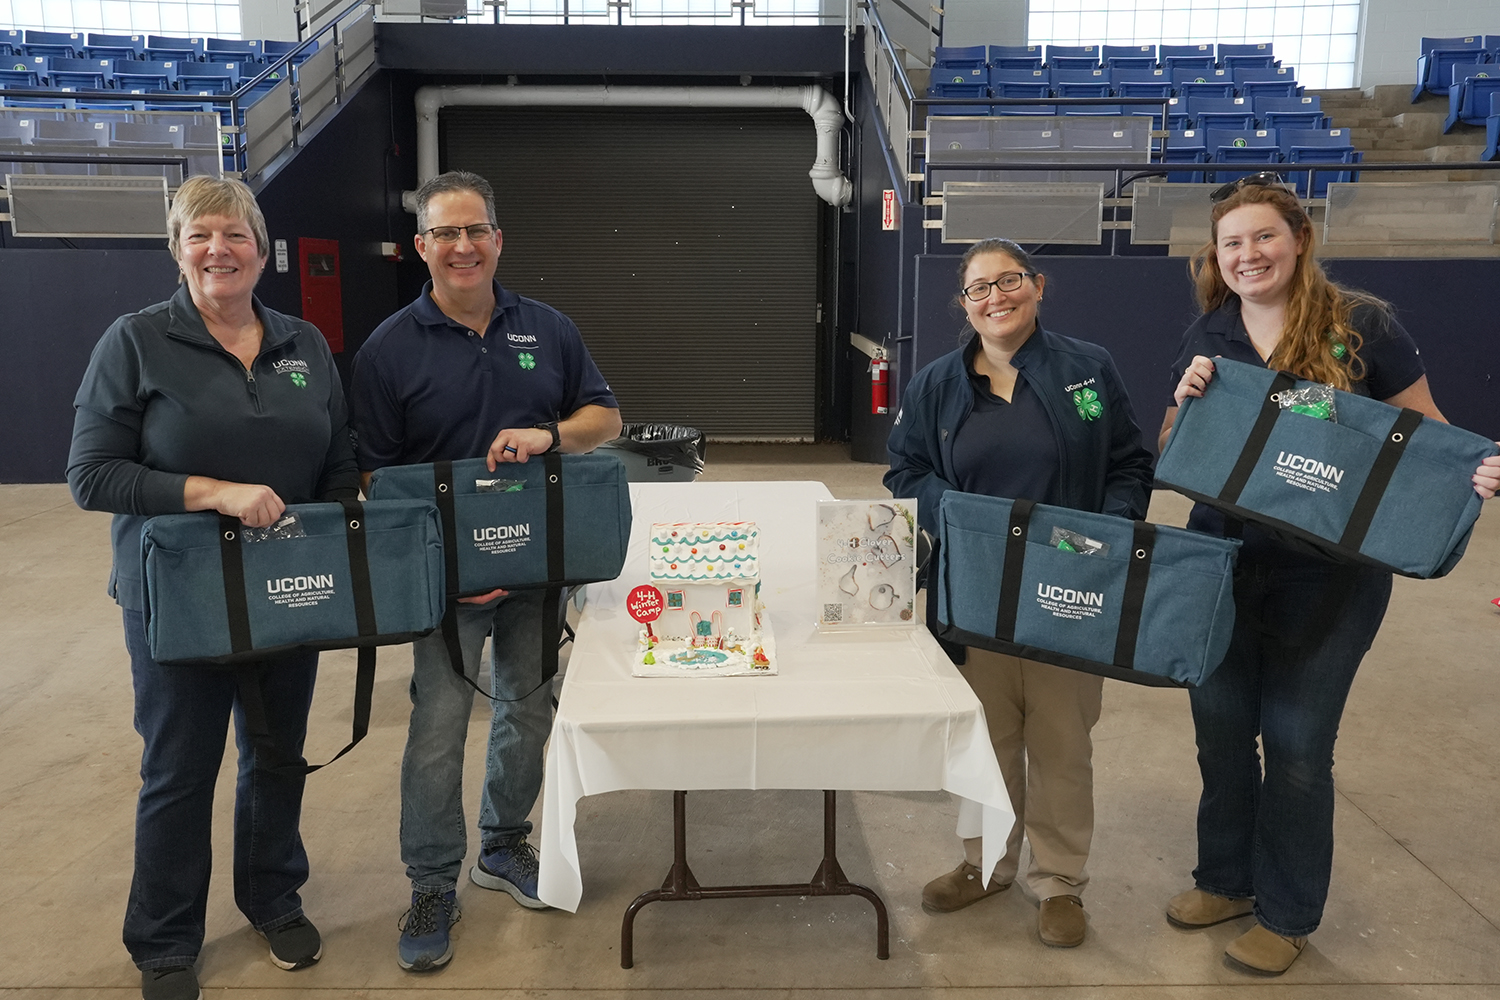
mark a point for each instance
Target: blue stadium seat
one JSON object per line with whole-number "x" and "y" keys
{"x": 102, "y": 46}
{"x": 1492, "y": 130}
{"x": 142, "y": 74}
{"x": 16, "y": 132}
{"x": 1221, "y": 113}
{"x": 11, "y": 40}
{"x": 1074, "y": 63}
{"x": 1268, "y": 88}
{"x": 232, "y": 49}
{"x": 1241, "y": 146}
{"x": 168, "y": 48}
{"x": 961, "y": 56}
{"x": 1437, "y": 58}
{"x": 1129, "y": 75}
{"x": 1199, "y": 64}
{"x": 1239, "y": 49}
{"x": 275, "y": 50}
{"x": 222, "y": 77}
{"x": 1177, "y": 116}
{"x": 68, "y": 44}
{"x": 1319, "y": 146}
{"x": 1469, "y": 96}
{"x": 1196, "y": 88}
{"x": 80, "y": 74}
{"x": 1290, "y": 112}
{"x": 60, "y": 104}
{"x": 1084, "y": 52}
{"x": 107, "y": 104}
{"x": 958, "y": 91}
{"x": 24, "y": 71}
{"x": 1233, "y": 63}
{"x": 1020, "y": 83}
{"x": 945, "y": 74}
{"x": 1128, "y": 56}
{"x": 1278, "y": 73}
{"x": 1185, "y": 146}
{"x": 1097, "y": 79}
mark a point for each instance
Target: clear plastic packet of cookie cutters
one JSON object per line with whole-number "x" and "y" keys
{"x": 287, "y": 526}
{"x": 1072, "y": 541}
{"x": 499, "y": 485}
{"x": 1313, "y": 401}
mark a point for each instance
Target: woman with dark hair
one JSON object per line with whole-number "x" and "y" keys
{"x": 1021, "y": 412}
{"x": 210, "y": 401}
{"x": 1303, "y": 623}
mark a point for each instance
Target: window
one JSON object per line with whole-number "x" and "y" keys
{"x": 1315, "y": 37}
{"x": 219, "y": 18}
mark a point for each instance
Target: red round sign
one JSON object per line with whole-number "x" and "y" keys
{"x": 644, "y": 603}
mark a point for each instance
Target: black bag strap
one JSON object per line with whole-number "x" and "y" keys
{"x": 443, "y": 492}
{"x": 250, "y": 679}
{"x": 1137, "y": 576}
{"x": 1381, "y": 471}
{"x": 235, "y": 601}
{"x": 1010, "y": 574}
{"x": 1260, "y": 433}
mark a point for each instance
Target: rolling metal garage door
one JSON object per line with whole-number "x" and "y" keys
{"x": 683, "y": 242}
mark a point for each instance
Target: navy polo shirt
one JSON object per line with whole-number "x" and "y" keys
{"x": 1391, "y": 362}
{"x": 1005, "y": 449}
{"x": 425, "y": 388}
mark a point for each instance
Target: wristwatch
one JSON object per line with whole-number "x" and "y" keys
{"x": 551, "y": 427}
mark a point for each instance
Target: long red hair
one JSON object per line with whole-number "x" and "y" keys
{"x": 1318, "y": 340}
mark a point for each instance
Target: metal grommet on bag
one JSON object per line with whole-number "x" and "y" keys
{"x": 1398, "y": 437}
{"x": 1140, "y": 553}
{"x": 228, "y": 536}
{"x": 442, "y": 487}
{"x": 551, "y": 479}
{"x": 354, "y": 525}
{"x": 1016, "y": 531}
{"x": 1275, "y": 397}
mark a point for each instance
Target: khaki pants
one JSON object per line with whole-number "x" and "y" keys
{"x": 1039, "y": 718}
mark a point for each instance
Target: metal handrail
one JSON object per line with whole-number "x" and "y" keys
{"x": 873, "y": 13}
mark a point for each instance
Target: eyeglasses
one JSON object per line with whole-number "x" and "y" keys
{"x": 1266, "y": 178}
{"x": 478, "y": 233}
{"x": 980, "y": 290}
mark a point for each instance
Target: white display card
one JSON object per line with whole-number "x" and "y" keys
{"x": 867, "y": 563}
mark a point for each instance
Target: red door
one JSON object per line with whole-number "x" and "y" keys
{"x": 322, "y": 296}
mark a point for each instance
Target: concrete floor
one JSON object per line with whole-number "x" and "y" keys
{"x": 1414, "y": 911}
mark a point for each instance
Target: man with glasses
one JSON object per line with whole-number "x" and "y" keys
{"x": 468, "y": 370}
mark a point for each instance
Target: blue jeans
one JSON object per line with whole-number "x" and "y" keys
{"x": 182, "y": 714}
{"x": 433, "y": 841}
{"x": 1287, "y": 675}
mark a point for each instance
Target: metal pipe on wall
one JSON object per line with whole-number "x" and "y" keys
{"x": 824, "y": 109}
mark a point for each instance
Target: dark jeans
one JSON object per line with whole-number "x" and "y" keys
{"x": 182, "y": 714}
{"x": 1286, "y": 678}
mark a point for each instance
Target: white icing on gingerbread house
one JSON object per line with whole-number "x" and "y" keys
{"x": 709, "y": 574}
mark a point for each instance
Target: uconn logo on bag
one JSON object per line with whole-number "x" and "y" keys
{"x": 1308, "y": 473}
{"x": 502, "y": 539}
{"x": 1065, "y": 602}
{"x": 300, "y": 591}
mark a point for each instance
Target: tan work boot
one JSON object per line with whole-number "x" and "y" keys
{"x": 1060, "y": 922}
{"x": 1196, "y": 908}
{"x": 961, "y": 887}
{"x": 1262, "y": 952}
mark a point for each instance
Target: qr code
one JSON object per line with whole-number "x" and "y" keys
{"x": 833, "y": 612}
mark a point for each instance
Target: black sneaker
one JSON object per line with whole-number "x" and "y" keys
{"x": 175, "y": 982}
{"x": 294, "y": 945}
{"x": 425, "y": 939}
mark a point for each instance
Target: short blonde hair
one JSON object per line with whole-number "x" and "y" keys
{"x": 203, "y": 195}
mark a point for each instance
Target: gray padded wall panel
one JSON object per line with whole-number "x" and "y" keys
{"x": 683, "y": 242}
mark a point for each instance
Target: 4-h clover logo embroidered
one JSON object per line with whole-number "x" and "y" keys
{"x": 299, "y": 380}
{"x": 1087, "y": 401}
{"x": 527, "y": 360}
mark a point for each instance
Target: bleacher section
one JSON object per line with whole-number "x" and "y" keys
{"x": 131, "y": 80}
{"x": 1233, "y": 105}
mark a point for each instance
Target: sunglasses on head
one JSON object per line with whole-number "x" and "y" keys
{"x": 1266, "y": 178}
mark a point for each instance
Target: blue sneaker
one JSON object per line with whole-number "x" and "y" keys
{"x": 510, "y": 868}
{"x": 425, "y": 943}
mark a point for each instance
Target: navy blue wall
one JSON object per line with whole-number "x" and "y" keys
{"x": 1139, "y": 307}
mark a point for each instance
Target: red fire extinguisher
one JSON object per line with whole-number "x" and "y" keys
{"x": 880, "y": 387}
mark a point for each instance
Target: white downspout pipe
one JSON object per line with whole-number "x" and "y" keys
{"x": 831, "y": 185}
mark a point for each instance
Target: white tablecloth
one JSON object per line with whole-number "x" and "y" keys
{"x": 882, "y": 710}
